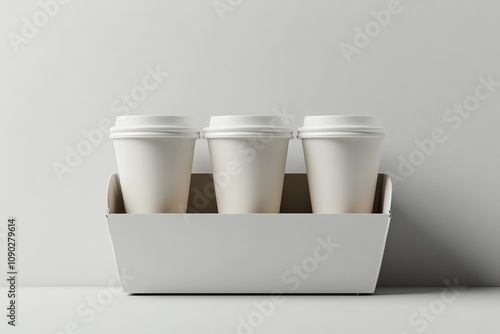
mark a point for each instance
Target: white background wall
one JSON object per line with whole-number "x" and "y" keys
{"x": 264, "y": 55}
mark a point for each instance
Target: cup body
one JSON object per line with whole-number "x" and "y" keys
{"x": 248, "y": 158}
{"x": 154, "y": 155}
{"x": 155, "y": 173}
{"x": 248, "y": 180}
{"x": 342, "y": 159}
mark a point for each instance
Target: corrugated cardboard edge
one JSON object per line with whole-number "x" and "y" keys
{"x": 385, "y": 203}
{"x": 115, "y": 205}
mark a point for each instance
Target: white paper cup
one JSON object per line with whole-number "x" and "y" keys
{"x": 342, "y": 155}
{"x": 248, "y": 157}
{"x": 155, "y": 157}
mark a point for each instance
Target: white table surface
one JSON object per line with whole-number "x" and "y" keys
{"x": 69, "y": 310}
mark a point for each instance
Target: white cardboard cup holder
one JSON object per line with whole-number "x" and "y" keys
{"x": 294, "y": 251}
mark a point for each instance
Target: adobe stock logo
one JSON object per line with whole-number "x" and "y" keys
{"x": 30, "y": 28}
{"x": 453, "y": 119}
{"x": 423, "y": 318}
{"x": 223, "y": 6}
{"x": 293, "y": 278}
{"x": 95, "y": 136}
{"x": 373, "y": 28}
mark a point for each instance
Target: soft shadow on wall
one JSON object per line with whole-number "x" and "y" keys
{"x": 416, "y": 256}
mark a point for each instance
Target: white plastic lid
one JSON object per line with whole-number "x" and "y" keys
{"x": 233, "y": 126}
{"x": 154, "y": 126}
{"x": 326, "y": 126}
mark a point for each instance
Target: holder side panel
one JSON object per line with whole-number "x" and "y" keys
{"x": 209, "y": 253}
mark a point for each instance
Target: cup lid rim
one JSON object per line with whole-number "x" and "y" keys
{"x": 152, "y": 128}
{"x": 243, "y": 134}
{"x": 153, "y": 134}
{"x": 246, "y": 123}
{"x": 342, "y": 123}
{"x": 342, "y": 129}
{"x": 154, "y": 123}
{"x": 248, "y": 128}
{"x": 339, "y": 134}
